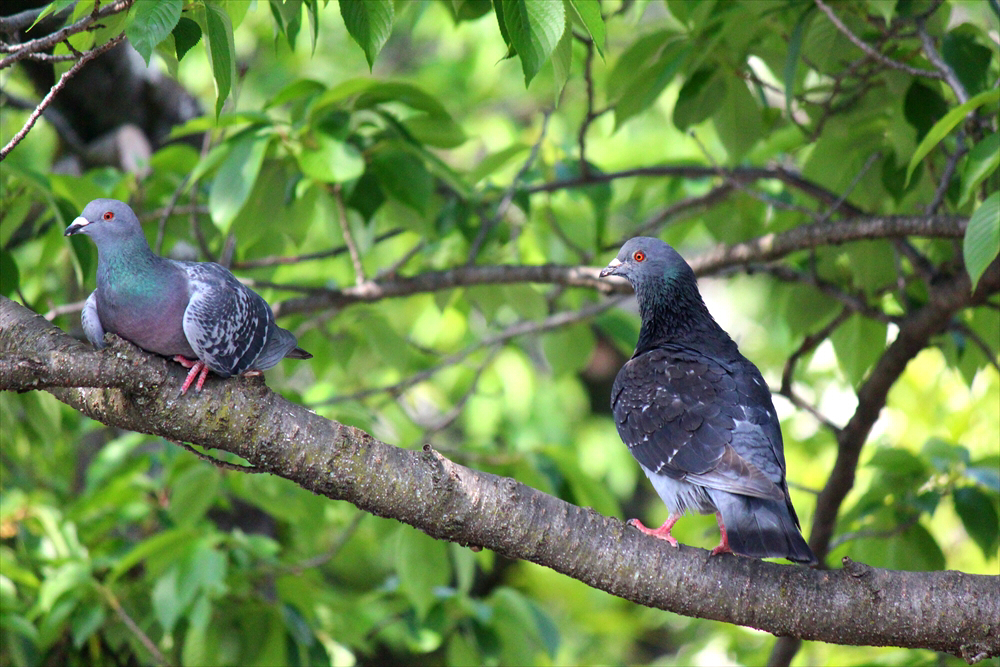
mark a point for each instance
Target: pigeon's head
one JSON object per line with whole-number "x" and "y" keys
{"x": 644, "y": 260}
{"x": 106, "y": 219}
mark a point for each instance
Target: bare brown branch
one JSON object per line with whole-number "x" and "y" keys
{"x": 765, "y": 248}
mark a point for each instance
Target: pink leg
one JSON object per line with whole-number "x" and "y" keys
{"x": 723, "y": 547}
{"x": 198, "y": 370}
{"x": 663, "y": 532}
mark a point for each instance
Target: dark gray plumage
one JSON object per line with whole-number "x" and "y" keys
{"x": 195, "y": 312}
{"x": 698, "y": 416}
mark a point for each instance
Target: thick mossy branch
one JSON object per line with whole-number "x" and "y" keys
{"x": 125, "y": 387}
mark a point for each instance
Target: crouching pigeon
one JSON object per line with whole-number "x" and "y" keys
{"x": 195, "y": 312}
{"x": 698, "y": 416}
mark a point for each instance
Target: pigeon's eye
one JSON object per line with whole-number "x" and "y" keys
{"x": 108, "y": 215}
{"x": 639, "y": 256}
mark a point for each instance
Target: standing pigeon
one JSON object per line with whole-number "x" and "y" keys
{"x": 697, "y": 415}
{"x": 195, "y": 312}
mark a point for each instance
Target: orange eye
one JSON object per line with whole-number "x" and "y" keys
{"x": 108, "y": 215}
{"x": 639, "y": 256}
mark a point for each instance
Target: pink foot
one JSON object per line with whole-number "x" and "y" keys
{"x": 663, "y": 532}
{"x": 723, "y": 547}
{"x": 198, "y": 370}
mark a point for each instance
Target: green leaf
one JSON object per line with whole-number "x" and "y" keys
{"x": 982, "y": 161}
{"x": 287, "y": 18}
{"x": 982, "y": 238}
{"x": 534, "y": 29}
{"x": 979, "y": 516}
{"x": 330, "y": 160}
{"x": 221, "y": 51}
{"x": 10, "y": 278}
{"x": 944, "y": 126}
{"x": 914, "y": 549}
{"x": 468, "y": 10}
{"x": 858, "y": 343}
{"x": 151, "y": 23}
{"x": 646, "y": 84}
{"x": 235, "y": 179}
{"x": 495, "y": 161}
{"x": 369, "y": 23}
{"x": 699, "y": 98}
{"x": 422, "y": 565}
{"x": 562, "y": 60}
{"x": 166, "y": 542}
{"x": 296, "y": 90}
{"x": 86, "y": 623}
{"x": 986, "y": 472}
{"x": 738, "y": 120}
{"x": 192, "y": 493}
{"x": 70, "y": 576}
{"x": 884, "y": 8}
{"x": 403, "y": 177}
{"x": 792, "y": 59}
{"x": 186, "y": 33}
{"x": 969, "y": 59}
{"x": 922, "y": 107}
{"x": 589, "y": 12}
{"x": 53, "y": 7}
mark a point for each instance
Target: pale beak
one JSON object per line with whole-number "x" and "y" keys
{"x": 76, "y": 226}
{"x": 611, "y": 269}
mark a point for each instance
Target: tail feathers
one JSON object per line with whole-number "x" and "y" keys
{"x": 281, "y": 344}
{"x": 762, "y": 528}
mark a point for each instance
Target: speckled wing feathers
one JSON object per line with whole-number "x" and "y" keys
{"x": 679, "y": 411}
{"x": 226, "y": 324}
{"x": 91, "y": 322}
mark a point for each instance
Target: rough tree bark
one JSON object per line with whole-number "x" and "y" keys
{"x": 125, "y": 387}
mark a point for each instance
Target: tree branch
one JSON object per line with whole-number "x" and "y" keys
{"x": 944, "y": 300}
{"x": 869, "y": 51}
{"x": 765, "y": 248}
{"x": 67, "y": 75}
{"x": 124, "y": 387}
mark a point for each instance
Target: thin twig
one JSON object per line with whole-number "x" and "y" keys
{"x": 861, "y": 44}
{"x": 9, "y": 25}
{"x": 809, "y": 343}
{"x": 740, "y": 174}
{"x": 944, "y": 69}
{"x": 345, "y": 228}
{"x": 520, "y": 329}
{"x": 455, "y": 411}
{"x": 876, "y": 534}
{"x": 132, "y": 625}
{"x": 689, "y": 206}
{"x": 760, "y": 196}
{"x": 338, "y": 544}
{"x": 65, "y": 309}
{"x": 218, "y": 463}
{"x": 277, "y": 260}
{"x": 393, "y": 269}
{"x": 67, "y": 75}
{"x": 949, "y": 170}
{"x": 988, "y": 352}
{"x": 508, "y": 195}
{"x": 24, "y": 49}
{"x": 850, "y": 188}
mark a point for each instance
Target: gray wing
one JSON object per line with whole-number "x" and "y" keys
{"x": 688, "y": 416}
{"x": 225, "y": 323}
{"x": 92, "y": 322}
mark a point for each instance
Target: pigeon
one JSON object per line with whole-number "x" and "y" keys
{"x": 194, "y": 312}
{"x": 697, "y": 415}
